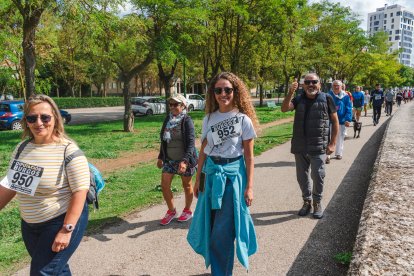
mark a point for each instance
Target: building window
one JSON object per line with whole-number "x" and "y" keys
{"x": 397, "y": 37}
{"x": 398, "y": 13}
{"x": 375, "y": 29}
{"x": 375, "y": 17}
{"x": 392, "y": 26}
{"x": 392, "y": 20}
{"x": 391, "y": 14}
{"x": 389, "y": 39}
{"x": 397, "y": 31}
{"x": 385, "y": 15}
{"x": 390, "y": 32}
{"x": 376, "y": 23}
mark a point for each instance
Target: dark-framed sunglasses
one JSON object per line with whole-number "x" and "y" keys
{"x": 227, "y": 90}
{"x": 307, "y": 82}
{"x": 174, "y": 104}
{"x": 31, "y": 119}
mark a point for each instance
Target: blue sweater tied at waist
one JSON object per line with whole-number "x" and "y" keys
{"x": 200, "y": 228}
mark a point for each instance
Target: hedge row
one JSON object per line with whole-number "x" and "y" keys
{"x": 88, "y": 102}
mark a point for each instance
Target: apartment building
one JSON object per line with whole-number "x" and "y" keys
{"x": 398, "y": 23}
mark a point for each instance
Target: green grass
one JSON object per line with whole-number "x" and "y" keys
{"x": 126, "y": 190}
{"x": 343, "y": 258}
{"x": 271, "y": 137}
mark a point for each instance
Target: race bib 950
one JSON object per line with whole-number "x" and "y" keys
{"x": 23, "y": 177}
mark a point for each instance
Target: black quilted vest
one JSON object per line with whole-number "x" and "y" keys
{"x": 311, "y": 127}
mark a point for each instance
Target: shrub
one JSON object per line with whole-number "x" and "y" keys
{"x": 88, "y": 102}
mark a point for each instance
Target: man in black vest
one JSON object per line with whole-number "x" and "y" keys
{"x": 310, "y": 140}
{"x": 377, "y": 100}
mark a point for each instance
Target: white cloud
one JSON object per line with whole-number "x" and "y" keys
{"x": 363, "y": 7}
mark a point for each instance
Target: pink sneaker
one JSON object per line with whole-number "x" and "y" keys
{"x": 169, "y": 216}
{"x": 185, "y": 215}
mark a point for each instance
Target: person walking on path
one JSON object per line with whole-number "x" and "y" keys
{"x": 377, "y": 99}
{"x": 358, "y": 102}
{"x": 367, "y": 97}
{"x": 310, "y": 145}
{"x": 226, "y": 159}
{"x": 399, "y": 98}
{"x": 177, "y": 157}
{"x": 344, "y": 111}
{"x": 51, "y": 195}
{"x": 389, "y": 101}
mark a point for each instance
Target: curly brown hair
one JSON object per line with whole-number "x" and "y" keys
{"x": 241, "y": 97}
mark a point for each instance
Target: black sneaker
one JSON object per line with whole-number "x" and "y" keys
{"x": 317, "y": 210}
{"x": 305, "y": 210}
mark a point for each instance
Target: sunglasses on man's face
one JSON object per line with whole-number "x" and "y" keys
{"x": 307, "y": 82}
{"x": 31, "y": 119}
{"x": 227, "y": 90}
{"x": 174, "y": 104}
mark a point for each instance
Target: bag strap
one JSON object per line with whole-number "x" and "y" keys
{"x": 67, "y": 159}
{"x": 21, "y": 148}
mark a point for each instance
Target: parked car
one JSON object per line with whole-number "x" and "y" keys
{"x": 11, "y": 112}
{"x": 195, "y": 102}
{"x": 148, "y": 105}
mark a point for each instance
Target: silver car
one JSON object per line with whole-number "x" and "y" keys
{"x": 147, "y": 105}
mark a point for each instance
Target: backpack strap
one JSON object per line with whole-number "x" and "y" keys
{"x": 73, "y": 155}
{"x": 21, "y": 148}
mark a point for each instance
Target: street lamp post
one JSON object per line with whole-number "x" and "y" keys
{"x": 184, "y": 79}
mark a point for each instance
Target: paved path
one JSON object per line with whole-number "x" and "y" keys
{"x": 113, "y": 113}
{"x": 288, "y": 244}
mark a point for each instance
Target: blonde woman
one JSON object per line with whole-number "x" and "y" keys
{"x": 226, "y": 158}
{"x": 51, "y": 197}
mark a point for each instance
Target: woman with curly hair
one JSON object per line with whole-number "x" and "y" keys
{"x": 224, "y": 186}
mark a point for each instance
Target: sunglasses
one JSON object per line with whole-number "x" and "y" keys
{"x": 174, "y": 104}
{"x": 307, "y": 82}
{"x": 31, "y": 119}
{"x": 227, "y": 90}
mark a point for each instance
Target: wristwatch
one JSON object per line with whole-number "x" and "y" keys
{"x": 68, "y": 227}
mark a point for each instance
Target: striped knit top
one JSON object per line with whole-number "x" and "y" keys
{"x": 53, "y": 195}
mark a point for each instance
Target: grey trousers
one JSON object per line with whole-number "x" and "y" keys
{"x": 316, "y": 165}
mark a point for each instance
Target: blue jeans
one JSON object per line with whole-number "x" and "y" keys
{"x": 39, "y": 237}
{"x": 316, "y": 165}
{"x": 223, "y": 235}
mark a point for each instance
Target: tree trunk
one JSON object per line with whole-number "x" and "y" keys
{"x": 166, "y": 80}
{"x": 261, "y": 94}
{"x": 142, "y": 85}
{"x": 104, "y": 89}
{"x": 128, "y": 115}
{"x": 29, "y": 55}
{"x": 286, "y": 88}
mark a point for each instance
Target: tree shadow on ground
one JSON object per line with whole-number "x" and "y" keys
{"x": 120, "y": 226}
{"x": 336, "y": 231}
{"x": 270, "y": 218}
{"x": 275, "y": 164}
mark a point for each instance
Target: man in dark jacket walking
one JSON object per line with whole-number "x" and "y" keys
{"x": 310, "y": 140}
{"x": 377, "y": 100}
